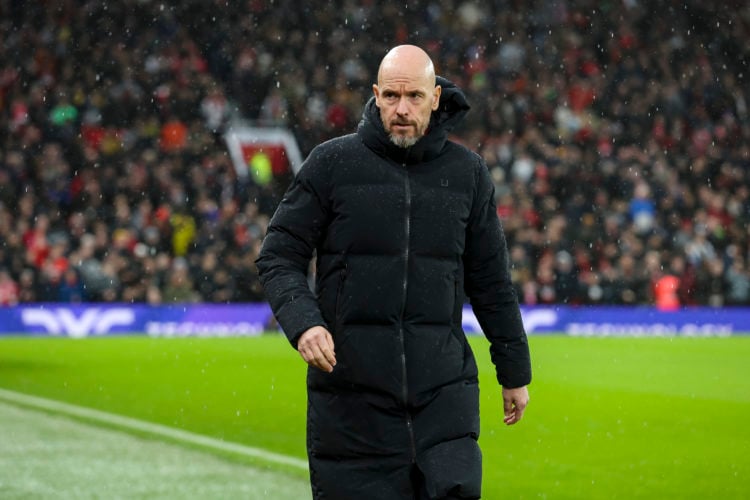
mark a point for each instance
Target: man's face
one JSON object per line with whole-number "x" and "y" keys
{"x": 406, "y": 100}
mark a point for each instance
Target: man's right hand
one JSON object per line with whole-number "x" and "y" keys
{"x": 316, "y": 348}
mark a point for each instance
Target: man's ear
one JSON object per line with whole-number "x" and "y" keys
{"x": 376, "y": 92}
{"x": 436, "y": 94}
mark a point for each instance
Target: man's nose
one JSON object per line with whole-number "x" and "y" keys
{"x": 403, "y": 107}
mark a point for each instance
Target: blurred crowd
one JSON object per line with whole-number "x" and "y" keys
{"x": 617, "y": 132}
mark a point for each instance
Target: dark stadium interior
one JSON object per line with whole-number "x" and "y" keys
{"x": 617, "y": 132}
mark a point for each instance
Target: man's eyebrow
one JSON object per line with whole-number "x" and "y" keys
{"x": 388, "y": 90}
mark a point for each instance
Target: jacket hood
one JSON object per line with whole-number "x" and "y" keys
{"x": 452, "y": 108}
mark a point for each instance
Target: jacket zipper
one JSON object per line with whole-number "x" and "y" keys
{"x": 405, "y": 387}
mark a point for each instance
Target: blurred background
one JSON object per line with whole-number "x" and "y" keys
{"x": 617, "y": 133}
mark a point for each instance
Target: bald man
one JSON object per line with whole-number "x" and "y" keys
{"x": 403, "y": 225}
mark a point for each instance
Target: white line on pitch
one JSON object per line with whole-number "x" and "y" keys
{"x": 150, "y": 428}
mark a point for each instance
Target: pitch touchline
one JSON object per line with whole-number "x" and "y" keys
{"x": 150, "y": 428}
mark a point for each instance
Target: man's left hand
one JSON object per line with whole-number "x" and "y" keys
{"x": 514, "y": 403}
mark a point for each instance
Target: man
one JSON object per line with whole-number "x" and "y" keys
{"x": 403, "y": 221}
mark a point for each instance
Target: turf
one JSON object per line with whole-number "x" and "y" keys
{"x": 49, "y": 456}
{"x": 609, "y": 417}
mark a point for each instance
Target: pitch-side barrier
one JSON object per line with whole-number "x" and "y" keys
{"x": 222, "y": 320}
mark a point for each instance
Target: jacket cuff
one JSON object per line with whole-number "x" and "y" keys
{"x": 514, "y": 374}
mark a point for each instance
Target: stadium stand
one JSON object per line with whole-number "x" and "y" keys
{"x": 618, "y": 133}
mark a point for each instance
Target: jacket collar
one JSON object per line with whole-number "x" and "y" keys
{"x": 451, "y": 110}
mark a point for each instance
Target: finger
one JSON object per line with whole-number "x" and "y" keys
{"x": 305, "y": 353}
{"x": 519, "y": 412}
{"x": 329, "y": 341}
{"x": 320, "y": 360}
{"x": 507, "y": 407}
{"x": 308, "y": 354}
{"x": 516, "y": 413}
{"x": 328, "y": 351}
{"x": 511, "y": 420}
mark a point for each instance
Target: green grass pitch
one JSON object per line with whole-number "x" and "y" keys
{"x": 609, "y": 417}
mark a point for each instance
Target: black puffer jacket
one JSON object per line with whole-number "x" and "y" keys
{"x": 400, "y": 234}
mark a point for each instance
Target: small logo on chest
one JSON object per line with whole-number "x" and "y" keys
{"x": 444, "y": 182}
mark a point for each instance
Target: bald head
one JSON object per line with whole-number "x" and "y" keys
{"x": 406, "y": 93}
{"x": 407, "y": 61}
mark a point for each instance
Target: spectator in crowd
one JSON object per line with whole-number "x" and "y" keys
{"x": 9, "y": 295}
{"x": 609, "y": 134}
{"x": 71, "y": 287}
{"x": 179, "y": 284}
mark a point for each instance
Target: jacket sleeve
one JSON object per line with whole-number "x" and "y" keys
{"x": 489, "y": 288}
{"x": 294, "y": 232}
